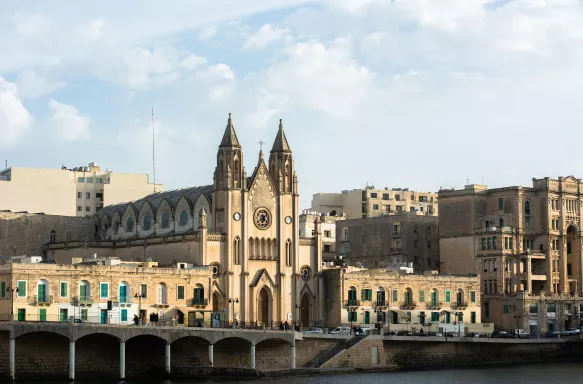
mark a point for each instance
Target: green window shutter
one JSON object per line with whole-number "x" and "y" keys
{"x": 363, "y": 294}
{"x": 3, "y": 289}
{"x": 180, "y": 292}
{"x": 421, "y": 296}
{"x": 447, "y": 296}
{"x": 64, "y": 289}
{"x": 506, "y": 309}
{"x": 104, "y": 294}
{"x": 473, "y": 296}
{"x": 124, "y": 315}
{"x": 22, "y": 288}
{"x": 42, "y": 314}
{"x": 84, "y": 313}
{"x": 395, "y": 295}
{"x": 370, "y": 294}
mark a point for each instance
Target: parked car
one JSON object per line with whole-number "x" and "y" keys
{"x": 340, "y": 331}
{"x": 571, "y": 332}
{"x": 477, "y": 334}
{"x": 554, "y": 333}
{"x": 404, "y": 333}
{"x": 502, "y": 335}
{"x": 438, "y": 334}
{"x": 521, "y": 334}
{"x": 314, "y": 330}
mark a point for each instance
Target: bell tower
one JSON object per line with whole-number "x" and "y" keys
{"x": 281, "y": 164}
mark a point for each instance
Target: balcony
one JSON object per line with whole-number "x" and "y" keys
{"x": 122, "y": 300}
{"x": 396, "y": 233}
{"x": 40, "y": 300}
{"x": 197, "y": 302}
{"x": 434, "y": 306}
{"x": 496, "y": 230}
{"x": 85, "y": 300}
{"x": 408, "y": 305}
{"x": 352, "y": 303}
{"x": 381, "y": 303}
{"x": 460, "y": 305}
{"x": 396, "y": 250}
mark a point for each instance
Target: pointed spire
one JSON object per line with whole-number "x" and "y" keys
{"x": 280, "y": 144}
{"x": 230, "y": 137}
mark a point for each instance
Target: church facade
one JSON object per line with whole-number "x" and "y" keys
{"x": 245, "y": 228}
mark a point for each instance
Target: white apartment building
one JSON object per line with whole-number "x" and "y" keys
{"x": 328, "y": 228}
{"x": 80, "y": 191}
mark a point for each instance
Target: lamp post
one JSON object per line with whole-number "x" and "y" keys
{"x": 517, "y": 317}
{"x": 140, "y": 296}
{"x": 458, "y": 315}
{"x": 12, "y": 291}
{"x": 378, "y": 312}
{"x": 298, "y": 321}
{"x": 232, "y": 302}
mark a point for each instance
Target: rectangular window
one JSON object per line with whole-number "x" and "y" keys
{"x": 429, "y": 245}
{"x": 3, "y": 289}
{"x": 493, "y": 243}
{"x": 385, "y": 196}
{"x": 21, "y": 314}
{"x": 352, "y": 316}
{"x": 375, "y": 207}
{"x": 104, "y": 290}
{"x": 433, "y": 298}
{"x": 533, "y": 308}
{"x": 435, "y": 317}
{"x": 421, "y": 296}
{"x": 473, "y": 317}
{"x": 473, "y": 296}
{"x": 144, "y": 290}
{"x": 64, "y": 289}
{"x": 80, "y": 179}
{"x": 90, "y": 180}
{"x": 447, "y": 317}
{"x": 415, "y": 243}
{"x": 500, "y": 204}
{"x": 569, "y": 269}
{"x": 551, "y": 307}
{"x": 84, "y": 314}
{"x": 506, "y": 308}
{"x": 88, "y": 209}
{"x": 483, "y": 243}
{"x": 447, "y": 296}
{"x": 124, "y": 315}
{"x": 21, "y": 284}
{"x": 395, "y": 295}
{"x": 87, "y": 195}
{"x": 79, "y": 208}
{"x": 42, "y": 314}
{"x": 99, "y": 180}
{"x": 79, "y": 195}
{"x": 373, "y": 195}
{"x": 487, "y": 310}
{"x": 180, "y": 292}
{"x": 489, "y": 243}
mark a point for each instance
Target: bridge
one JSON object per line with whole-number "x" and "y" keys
{"x": 74, "y": 332}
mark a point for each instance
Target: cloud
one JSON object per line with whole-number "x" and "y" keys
{"x": 219, "y": 79}
{"x": 15, "y": 120}
{"x": 93, "y": 31}
{"x": 70, "y": 125}
{"x": 207, "y": 33}
{"x": 265, "y": 36}
{"x": 34, "y": 85}
{"x": 30, "y": 24}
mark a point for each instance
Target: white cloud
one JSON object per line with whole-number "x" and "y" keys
{"x": 266, "y": 35}
{"x": 207, "y": 33}
{"x": 70, "y": 125}
{"x": 30, "y": 24}
{"x": 219, "y": 79}
{"x": 94, "y": 30}
{"x": 15, "y": 120}
{"x": 33, "y": 84}
{"x": 193, "y": 61}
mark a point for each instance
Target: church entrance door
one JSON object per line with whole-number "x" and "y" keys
{"x": 263, "y": 303}
{"x": 305, "y": 311}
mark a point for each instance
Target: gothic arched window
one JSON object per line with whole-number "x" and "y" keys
{"x": 236, "y": 250}
{"x": 288, "y": 252}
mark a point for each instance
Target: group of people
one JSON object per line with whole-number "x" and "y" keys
{"x": 357, "y": 331}
{"x": 284, "y": 326}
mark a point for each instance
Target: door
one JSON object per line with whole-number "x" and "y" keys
{"x": 42, "y": 314}
{"x": 63, "y": 314}
{"x": 21, "y": 314}
{"x": 42, "y": 293}
{"x": 123, "y": 294}
{"x": 124, "y": 314}
{"x": 103, "y": 316}
{"x": 367, "y": 317}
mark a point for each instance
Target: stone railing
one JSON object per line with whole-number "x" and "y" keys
{"x": 197, "y": 301}
{"x": 215, "y": 237}
{"x": 40, "y": 300}
{"x": 408, "y": 305}
{"x": 352, "y": 303}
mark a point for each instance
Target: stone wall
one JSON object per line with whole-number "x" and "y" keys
{"x": 369, "y": 352}
{"x": 309, "y": 348}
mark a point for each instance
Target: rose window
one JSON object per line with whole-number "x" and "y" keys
{"x": 306, "y": 272}
{"x": 262, "y": 218}
{"x": 216, "y": 270}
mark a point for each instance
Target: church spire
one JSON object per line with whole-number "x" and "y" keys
{"x": 280, "y": 144}
{"x": 230, "y": 137}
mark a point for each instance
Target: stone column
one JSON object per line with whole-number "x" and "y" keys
{"x": 211, "y": 357}
{"x": 122, "y": 361}
{"x": 528, "y": 287}
{"x": 292, "y": 356}
{"x": 12, "y": 358}
{"x": 168, "y": 358}
{"x": 71, "y": 360}
{"x": 252, "y": 357}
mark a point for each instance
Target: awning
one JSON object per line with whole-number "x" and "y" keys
{"x": 448, "y": 310}
{"x": 402, "y": 314}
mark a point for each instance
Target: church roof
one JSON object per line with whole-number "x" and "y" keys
{"x": 280, "y": 144}
{"x": 230, "y": 137}
{"x": 155, "y": 199}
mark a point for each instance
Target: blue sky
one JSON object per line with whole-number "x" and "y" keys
{"x": 397, "y": 93}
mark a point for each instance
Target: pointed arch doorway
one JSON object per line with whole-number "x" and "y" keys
{"x": 305, "y": 310}
{"x": 264, "y": 306}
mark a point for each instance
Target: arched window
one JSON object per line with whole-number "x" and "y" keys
{"x": 164, "y": 220}
{"x": 251, "y": 248}
{"x": 434, "y": 298}
{"x": 237, "y": 178}
{"x": 183, "y": 218}
{"x": 460, "y": 298}
{"x": 381, "y": 297}
{"x": 84, "y": 292}
{"x": 147, "y": 223}
{"x": 199, "y": 295}
{"x": 352, "y": 296}
{"x": 53, "y": 237}
{"x": 288, "y": 252}
{"x": 129, "y": 224}
{"x": 408, "y": 297}
{"x": 42, "y": 291}
{"x": 162, "y": 293}
{"x": 236, "y": 250}
{"x": 123, "y": 292}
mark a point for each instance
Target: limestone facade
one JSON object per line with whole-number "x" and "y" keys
{"x": 396, "y": 240}
{"x": 328, "y": 229}
{"x": 80, "y": 191}
{"x": 526, "y": 244}
{"x": 57, "y": 292}
{"x": 245, "y": 228}
{"x": 372, "y": 202}
{"x": 401, "y": 301}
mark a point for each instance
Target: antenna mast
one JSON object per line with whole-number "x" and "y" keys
{"x": 153, "y": 151}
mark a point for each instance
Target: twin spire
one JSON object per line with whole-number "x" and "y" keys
{"x": 230, "y": 138}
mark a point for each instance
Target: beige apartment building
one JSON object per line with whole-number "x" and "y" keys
{"x": 308, "y": 222}
{"x": 80, "y": 191}
{"x": 525, "y": 242}
{"x": 372, "y": 202}
{"x": 57, "y": 292}
{"x": 400, "y": 301}
{"x": 408, "y": 239}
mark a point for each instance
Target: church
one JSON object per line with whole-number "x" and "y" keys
{"x": 244, "y": 228}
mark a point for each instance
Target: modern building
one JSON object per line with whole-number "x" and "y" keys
{"x": 245, "y": 228}
{"x": 28, "y": 233}
{"x": 372, "y": 202}
{"x": 408, "y": 239}
{"x": 36, "y": 291}
{"x": 80, "y": 191}
{"x": 308, "y": 220}
{"x": 525, "y": 242}
{"x": 399, "y": 301}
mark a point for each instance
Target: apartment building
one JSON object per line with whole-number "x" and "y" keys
{"x": 525, "y": 242}
{"x": 372, "y": 202}
{"x": 407, "y": 239}
{"x": 80, "y": 191}
{"x": 327, "y": 225}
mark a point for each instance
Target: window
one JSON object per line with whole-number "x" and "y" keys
{"x": 533, "y": 308}
{"x": 3, "y": 289}
{"x": 144, "y": 290}
{"x": 327, "y": 234}
{"x": 147, "y": 223}
{"x": 435, "y": 317}
{"x": 500, "y": 204}
{"x": 352, "y": 316}
{"x": 373, "y": 195}
{"x": 551, "y": 307}
{"x": 79, "y": 208}
{"x": 99, "y": 180}
{"x": 180, "y": 292}
{"x": 487, "y": 310}
{"x": 366, "y": 294}
{"x": 88, "y": 195}
{"x": 448, "y": 296}
{"x": 90, "y": 180}
{"x": 79, "y": 195}
{"x": 501, "y": 222}
{"x": 124, "y": 315}
{"x": 237, "y": 250}
{"x": 80, "y": 179}
{"x": 489, "y": 243}
{"x": 162, "y": 290}
{"x": 375, "y": 207}
{"x": 386, "y": 196}
{"x": 473, "y": 317}
{"x": 483, "y": 243}
{"x": 64, "y": 289}
{"x": 429, "y": 245}
{"x": 104, "y": 290}
{"x": 493, "y": 243}
{"x": 87, "y": 208}
{"x": 421, "y": 296}
{"x": 434, "y": 298}
{"x": 387, "y": 209}
{"x": 288, "y": 251}
{"x": 84, "y": 314}
{"x": 21, "y": 284}
{"x": 129, "y": 224}
{"x": 473, "y": 296}
{"x": 415, "y": 243}
{"x": 183, "y": 218}
{"x": 569, "y": 269}
{"x": 395, "y": 295}
{"x": 506, "y": 308}
{"x": 164, "y": 220}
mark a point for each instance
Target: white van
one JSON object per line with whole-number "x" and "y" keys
{"x": 340, "y": 331}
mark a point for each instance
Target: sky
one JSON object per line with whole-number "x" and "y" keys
{"x": 394, "y": 93}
